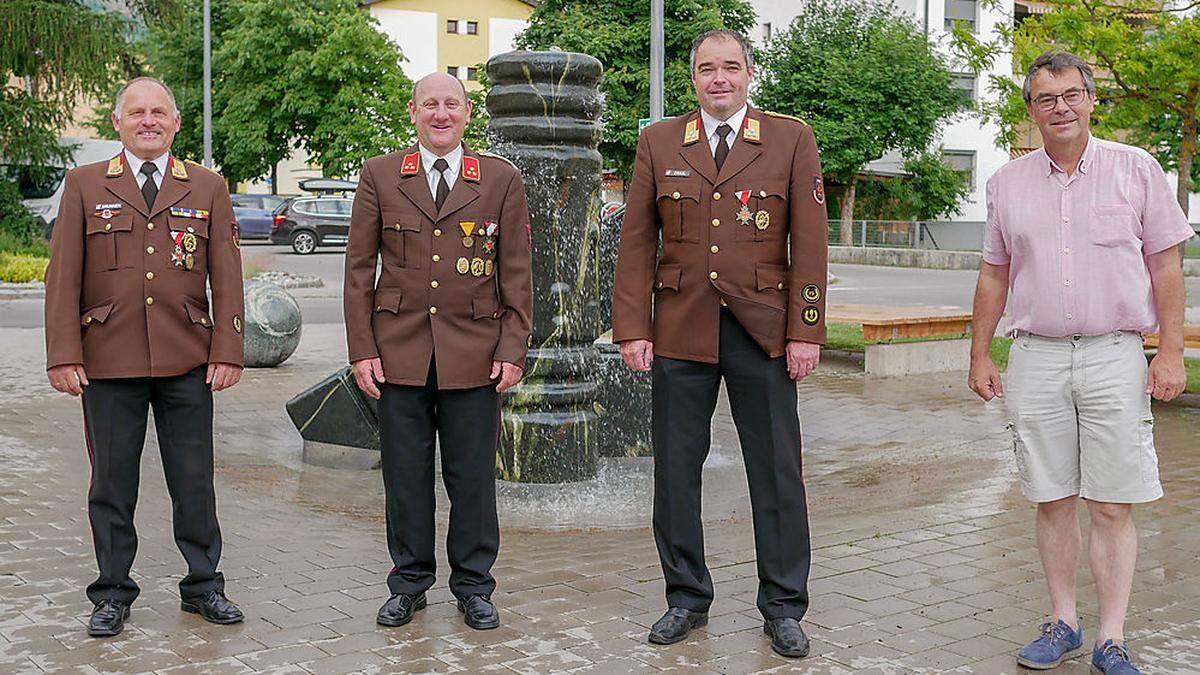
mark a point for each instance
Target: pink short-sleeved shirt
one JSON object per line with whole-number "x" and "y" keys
{"x": 1077, "y": 245}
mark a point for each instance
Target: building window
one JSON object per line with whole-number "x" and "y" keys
{"x": 453, "y": 70}
{"x": 962, "y": 161}
{"x": 471, "y": 74}
{"x": 961, "y": 10}
{"x": 472, "y": 28}
{"x": 964, "y": 83}
{"x": 452, "y": 25}
{"x": 767, "y": 32}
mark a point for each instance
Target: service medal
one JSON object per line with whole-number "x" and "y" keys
{"x": 189, "y": 242}
{"x": 762, "y": 220}
{"x": 811, "y": 293}
{"x": 106, "y": 214}
{"x": 462, "y": 265}
{"x": 487, "y": 268}
{"x": 489, "y": 245}
{"x": 744, "y": 216}
{"x": 477, "y": 267}
{"x": 468, "y": 241}
{"x": 189, "y": 261}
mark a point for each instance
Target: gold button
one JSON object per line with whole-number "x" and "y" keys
{"x": 715, "y": 248}
{"x": 149, "y": 301}
{"x": 149, "y": 275}
{"x": 716, "y": 222}
{"x": 436, "y": 257}
{"x": 675, "y": 195}
{"x": 437, "y": 232}
{"x": 723, "y": 303}
{"x": 396, "y": 226}
{"x": 780, "y": 286}
{"x": 660, "y": 284}
{"x": 762, "y": 193}
{"x": 712, "y": 275}
{"x": 433, "y": 284}
{"x": 87, "y": 320}
{"x": 149, "y": 226}
{"x": 495, "y": 315}
{"x": 433, "y": 310}
{"x": 191, "y": 230}
{"x": 378, "y": 307}
{"x": 107, "y": 226}
{"x": 150, "y": 250}
{"x": 203, "y": 321}
{"x": 717, "y": 196}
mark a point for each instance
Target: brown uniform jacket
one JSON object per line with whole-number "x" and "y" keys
{"x": 768, "y": 266}
{"x": 454, "y": 285}
{"x": 123, "y": 298}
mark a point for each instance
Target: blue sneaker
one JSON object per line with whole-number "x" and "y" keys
{"x": 1057, "y": 643}
{"x": 1111, "y": 658}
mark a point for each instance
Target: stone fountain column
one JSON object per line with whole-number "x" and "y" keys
{"x": 545, "y": 117}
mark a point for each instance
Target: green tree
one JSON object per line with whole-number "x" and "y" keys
{"x": 866, "y": 78}
{"x": 931, "y": 190}
{"x": 315, "y": 75}
{"x": 618, "y": 33}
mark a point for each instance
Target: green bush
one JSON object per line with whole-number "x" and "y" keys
{"x": 20, "y": 230}
{"x": 22, "y": 268}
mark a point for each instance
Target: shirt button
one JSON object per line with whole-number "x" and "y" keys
{"x": 149, "y": 226}
{"x": 716, "y": 222}
{"x": 88, "y": 320}
{"x": 717, "y": 196}
{"x": 713, "y": 275}
{"x": 149, "y": 300}
{"x": 675, "y": 195}
{"x": 780, "y": 286}
{"x": 1067, "y": 249}
{"x": 433, "y": 310}
{"x": 1068, "y": 316}
{"x": 437, "y": 232}
{"x": 1067, "y": 282}
{"x": 1066, "y": 219}
{"x": 150, "y": 250}
{"x": 715, "y": 248}
{"x": 150, "y": 275}
{"x": 433, "y": 284}
{"x": 107, "y": 226}
{"x": 436, "y": 257}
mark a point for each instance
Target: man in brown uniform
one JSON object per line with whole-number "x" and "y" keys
{"x": 735, "y": 194}
{"x": 437, "y": 337}
{"x": 128, "y": 326}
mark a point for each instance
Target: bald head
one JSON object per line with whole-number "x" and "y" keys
{"x": 438, "y": 84}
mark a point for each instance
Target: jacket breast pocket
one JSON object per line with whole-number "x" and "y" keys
{"x": 679, "y": 210}
{"x": 1113, "y": 225}
{"x": 189, "y": 237}
{"x": 402, "y": 239}
{"x": 110, "y": 242}
{"x": 767, "y": 207}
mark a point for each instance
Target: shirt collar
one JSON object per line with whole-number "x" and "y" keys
{"x": 1085, "y": 160}
{"x": 135, "y": 163}
{"x": 453, "y": 158}
{"x": 711, "y": 123}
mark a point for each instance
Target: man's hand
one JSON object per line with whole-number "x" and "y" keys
{"x": 1166, "y": 378}
{"x": 222, "y": 375}
{"x": 69, "y": 379}
{"x": 984, "y": 378}
{"x": 509, "y": 374}
{"x": 802, "y": 359}
{"x": 366, "y": 373}
{"x": 638, "y": 354}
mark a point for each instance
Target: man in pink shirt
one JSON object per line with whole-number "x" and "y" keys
{"x": 1085, "y": 233}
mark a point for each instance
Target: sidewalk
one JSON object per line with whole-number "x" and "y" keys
{"x": 923, "y": 551}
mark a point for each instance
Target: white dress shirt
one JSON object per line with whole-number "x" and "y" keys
{"x": 135, "y": 164}
{"x": 711, "y": 123}
{"x": 432, "y": 175}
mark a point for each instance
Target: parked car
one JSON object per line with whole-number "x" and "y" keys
{"x": 42, "y": 187}
{"x": 256, "y": 213}
{"x": 308, "y": 222}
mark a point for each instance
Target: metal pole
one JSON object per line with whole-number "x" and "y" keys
{"x": 208, "y": 161}
{"x": 656, "y": 60}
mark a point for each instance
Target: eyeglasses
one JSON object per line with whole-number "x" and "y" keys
{"x": 1072, "y": 97}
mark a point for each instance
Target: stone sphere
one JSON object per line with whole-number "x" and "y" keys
{"x": 271, "y": 324}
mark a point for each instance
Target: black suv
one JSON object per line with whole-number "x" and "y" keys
{"x": 309, "y": 222}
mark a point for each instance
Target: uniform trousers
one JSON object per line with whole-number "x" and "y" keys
{"x": 114, "y": 414}
{"x": 763, "y": 401}
{"x": 467, "y": 424}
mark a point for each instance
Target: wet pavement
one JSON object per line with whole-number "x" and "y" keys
{"x": 923, "y": 553}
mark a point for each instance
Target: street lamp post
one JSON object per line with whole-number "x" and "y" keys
{"x": 656, "y": 60}
{"x": 208, "y": 161}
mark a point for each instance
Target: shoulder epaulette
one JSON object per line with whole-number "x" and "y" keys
{"x": 782, "y": 116}
{"x": 495, "y": 156}
{"x": 201, "y": 166}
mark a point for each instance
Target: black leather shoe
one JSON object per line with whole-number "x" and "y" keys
{"x": 479, "y": 612}
{"x": 399, "y": 609}
{"x": 108, "y": 618}
{"x": 674, "y": 625}
{"x": 787, "y": 637}
{"x": 213, "y": 607}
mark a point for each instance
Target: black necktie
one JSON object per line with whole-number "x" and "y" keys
{"x": 722, "y": 145}
{"x": 149, "y": 188}
{"x": 443, "y": 188}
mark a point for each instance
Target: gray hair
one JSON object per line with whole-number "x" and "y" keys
{"x": 1057, "y": 62}
{"x": 723, "y": 34}
{"x": 145, "y": 78}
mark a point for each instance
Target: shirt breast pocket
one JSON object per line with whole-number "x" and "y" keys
{"x": 190, "y": 239}
{"x": 765, "y": 214}
{"x": 679, "y": 210}
{"x": 1113, "y": 225}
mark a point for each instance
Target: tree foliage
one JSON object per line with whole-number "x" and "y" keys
{"x": 618, "y": 33}
{"x": 315, "y": 75}
{"x": 931, "y": 190}
{"x": 866, "y": 78}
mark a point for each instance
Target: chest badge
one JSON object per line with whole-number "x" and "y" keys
{"x": 762, "y": 220}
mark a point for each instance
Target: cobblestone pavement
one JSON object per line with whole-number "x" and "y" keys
{"x": 923, "y": 555}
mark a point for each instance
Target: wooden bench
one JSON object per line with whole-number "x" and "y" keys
{"x": 1191, "y": 337}
{"x": 887, "y": 324}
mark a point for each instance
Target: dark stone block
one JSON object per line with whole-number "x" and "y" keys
{"x": 339, "y": 424}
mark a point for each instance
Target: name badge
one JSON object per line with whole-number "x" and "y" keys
{"x": 678, "y": 173}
